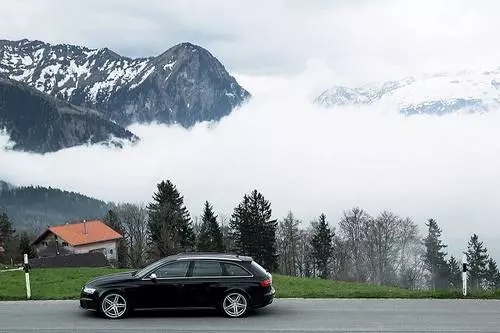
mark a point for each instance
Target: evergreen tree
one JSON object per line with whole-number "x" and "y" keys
{"x": 6, "y": 231}
{"x": 210, "y": 236}
{"x": 113, "y": 221}
{"x": 477, "y": 258}
{"x": 253, "y": 231}
{"x": 455, "y": 277}
{"x": 7, "y": 239}
{"x": 170, "y": 226}
{"x": 434, "y": 256}
{"x": 492, "y": 275}
{"x": 322, "y": 244}
{"x": 25, "y": 246}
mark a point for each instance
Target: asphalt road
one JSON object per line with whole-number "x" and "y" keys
{"x": 352, "y": 315}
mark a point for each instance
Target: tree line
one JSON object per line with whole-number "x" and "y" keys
{"x": 385, "y": 249}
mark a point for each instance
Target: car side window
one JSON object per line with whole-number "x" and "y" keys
{"x": 235, "y": 270}
{"x": 176, "y": 269}
{"x": 206, "y": 268}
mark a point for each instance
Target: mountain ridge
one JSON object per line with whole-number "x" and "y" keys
{"x": 184, "y": 85}
{"x": 464, "y": 92}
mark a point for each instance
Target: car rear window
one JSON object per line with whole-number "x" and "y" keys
{"x": 235, "y": 270}
{"x": 259, "y": 268}
{"x": 207, "y": 268}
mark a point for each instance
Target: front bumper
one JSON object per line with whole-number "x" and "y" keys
{"x": 88, "y": 302}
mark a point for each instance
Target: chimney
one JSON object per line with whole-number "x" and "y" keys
{"x": 84, "y": 227}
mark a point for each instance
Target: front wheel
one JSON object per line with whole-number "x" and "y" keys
{"x": 235, "y": 305}
{"x": 114, "y": 305}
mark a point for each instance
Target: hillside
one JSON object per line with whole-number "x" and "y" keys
{"x": 36, "y": 207}
{"x": 39, "y": 123}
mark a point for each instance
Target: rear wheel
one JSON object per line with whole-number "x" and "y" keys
{"x": 113, "y": 305}
{"x": 235, "y": 304}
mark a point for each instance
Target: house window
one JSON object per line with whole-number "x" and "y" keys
{"x": 111, "y": 251}
{"x": 64, "y": 244}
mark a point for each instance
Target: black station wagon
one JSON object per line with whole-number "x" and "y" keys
{"x": 231, "y": 283}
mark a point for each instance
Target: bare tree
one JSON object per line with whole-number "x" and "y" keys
{"x": 409, "y": 242}
{"x": 341, "y": 259}
{"x": 134, "y": 221}
{"x": 351, "y": 229}
{"x": 382, "y": 242}
{"x": 227, "y": 239}
{"x": 288, "y": 245}
{"x": 305, "y": 260}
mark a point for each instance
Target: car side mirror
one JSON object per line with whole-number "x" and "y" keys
{"x": 153, "y": 277}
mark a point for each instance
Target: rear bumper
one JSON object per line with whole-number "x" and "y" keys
{"x": 267, "y": 299}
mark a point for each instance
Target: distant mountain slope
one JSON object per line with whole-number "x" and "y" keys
{"x": 440, "y": 94}
{"x": 37, "y": 122}
{"x": 36, "y": 207}
{"x": 184, "y": 85}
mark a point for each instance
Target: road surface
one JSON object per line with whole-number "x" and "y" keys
{"x": 294, "y": 315}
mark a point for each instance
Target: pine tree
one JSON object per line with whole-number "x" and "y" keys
{"x": 7, "y": 239}
{"x": 434, "y": 257}
{"x": 492, "y": 275}
{"x": 6, "y": 230}
{"x": 25, "y": 246}
{"x": 170, "y": 226}
{"x": 477, "y": 258}
{"x": 455, "y": 277}
{"x": 210, "y": 236}
{"x": 322, "y": 244}
{"x": 253, "y": 231}
{"x": 113, "y": 221}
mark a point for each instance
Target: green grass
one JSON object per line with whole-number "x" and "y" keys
{"x": 66, "y": 283}
{"x": 48, "y": 283}
{"x": 293, "y": 287}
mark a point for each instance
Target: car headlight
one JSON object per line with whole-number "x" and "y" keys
{"x": 88, "y": 290}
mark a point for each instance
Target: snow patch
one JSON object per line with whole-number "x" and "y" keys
{"x": 170, "y": 65}
{"x": 144, "y": 77}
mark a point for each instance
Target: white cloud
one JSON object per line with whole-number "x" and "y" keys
{"x": 307, "y": 159}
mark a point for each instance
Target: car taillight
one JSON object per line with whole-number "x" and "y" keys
{"x": 266, "y": 282}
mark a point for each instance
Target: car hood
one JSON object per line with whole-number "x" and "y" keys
{"x": 116, "y": 277}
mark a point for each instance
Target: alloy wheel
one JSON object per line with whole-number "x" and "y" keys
{"x": 114, "y": 306}
{"x": 235, "y": 304}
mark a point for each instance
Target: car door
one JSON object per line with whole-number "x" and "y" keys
{"x": 166, "y": 289}
{"x": 203, "y": 286}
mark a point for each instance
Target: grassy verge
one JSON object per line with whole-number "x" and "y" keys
{"x": 65, "y": 283}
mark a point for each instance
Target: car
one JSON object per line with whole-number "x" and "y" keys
{"x": 231, "y": 283}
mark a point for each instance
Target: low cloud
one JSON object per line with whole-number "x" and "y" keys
{"x": 302, "y": 158}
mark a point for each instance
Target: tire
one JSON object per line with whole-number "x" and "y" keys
{"x": 235, "y": 304}
{"x": 113, "y": 305}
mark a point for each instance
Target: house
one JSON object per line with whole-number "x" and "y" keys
{"x": 76, "y": 238}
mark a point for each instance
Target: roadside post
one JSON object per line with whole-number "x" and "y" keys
{"x": 27, "y": 275}
{"x": 464, "y": 275}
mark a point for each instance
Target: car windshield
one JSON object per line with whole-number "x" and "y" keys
{"x": 146, "y": 269}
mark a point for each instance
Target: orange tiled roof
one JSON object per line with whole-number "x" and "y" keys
{"x": 74, "y": 233}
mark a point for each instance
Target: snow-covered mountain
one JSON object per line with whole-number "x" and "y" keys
{"x": 184, "y": 85}
{"x": 436, "y": 94}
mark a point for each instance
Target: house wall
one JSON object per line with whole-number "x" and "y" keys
{"x": 49, "y": 243}
{"x": 108, "y": 248}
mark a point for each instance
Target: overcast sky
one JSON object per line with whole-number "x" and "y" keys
{"x": 356, "y": 39}
{"x": 302, "y": 158}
